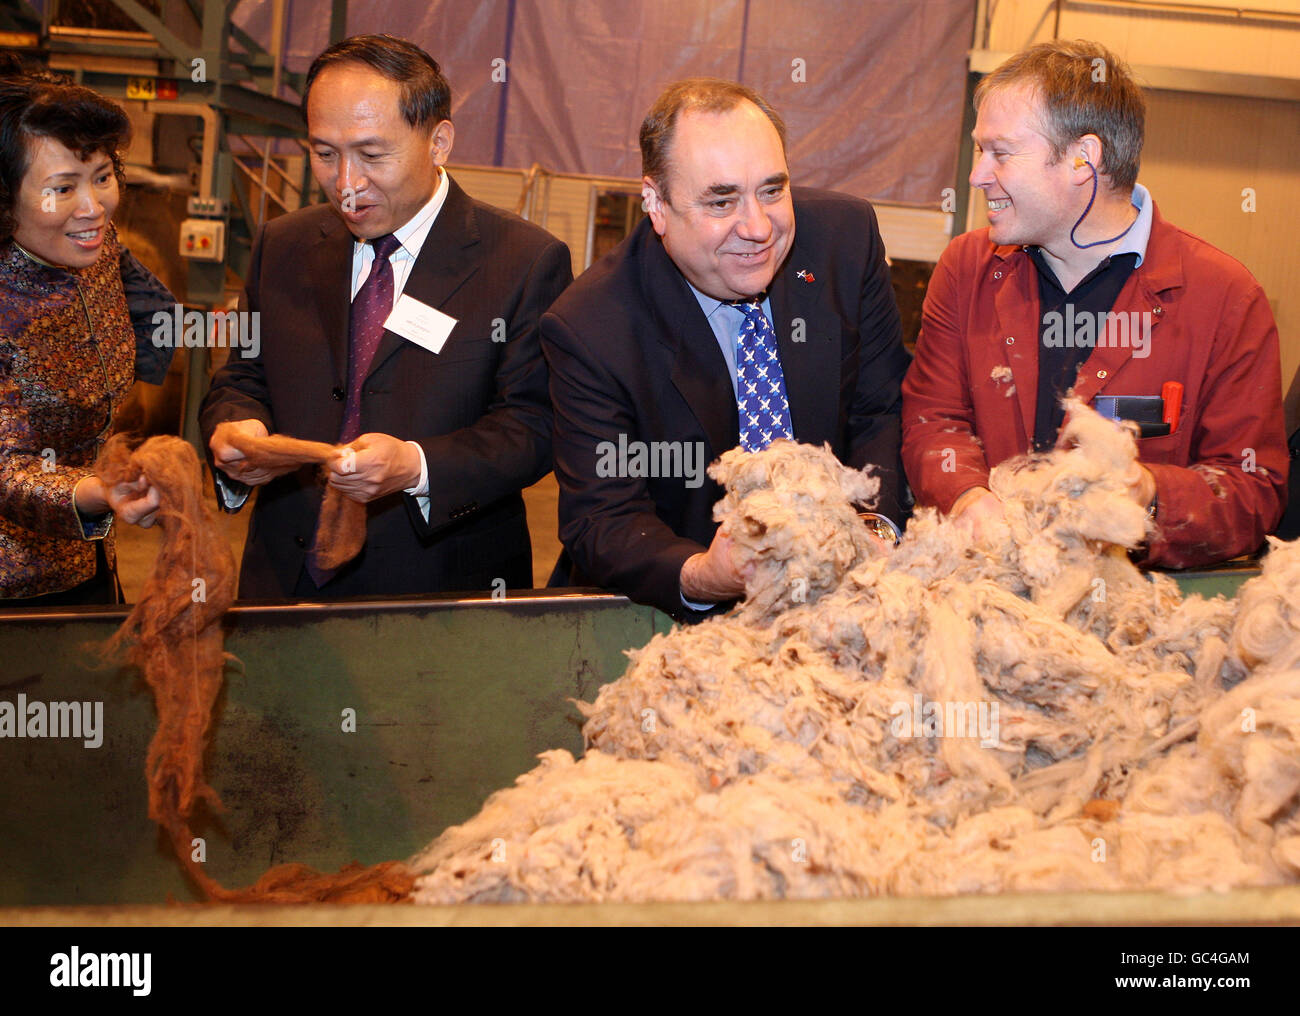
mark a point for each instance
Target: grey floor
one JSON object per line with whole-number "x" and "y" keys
{"x": 136, "y": 547}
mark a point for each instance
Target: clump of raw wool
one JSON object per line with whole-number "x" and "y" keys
{"x": 1026, "y": 713}
{"x": 606, "y": 828}
{"x": 1267, "y": 629}
{"x": 1064, "y": 507}
{"x": 792, "y": 515}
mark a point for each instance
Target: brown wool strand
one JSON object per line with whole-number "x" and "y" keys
{"x": 174, "y": 636}
{"x": 341, "y": 529}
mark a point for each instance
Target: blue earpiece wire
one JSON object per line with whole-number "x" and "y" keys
{"x": 1099, "y": 243}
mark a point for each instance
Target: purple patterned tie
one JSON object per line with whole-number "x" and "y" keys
{"x": 370, "y": 309}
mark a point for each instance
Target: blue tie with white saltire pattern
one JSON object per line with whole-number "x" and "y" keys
{"x": 760, "y": 383}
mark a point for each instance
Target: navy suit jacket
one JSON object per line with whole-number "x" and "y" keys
{"x": 479, "y": 408}
{"x": 631, "y": 353}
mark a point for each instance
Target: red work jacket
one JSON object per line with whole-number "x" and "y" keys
{"x": 969, "y": 398}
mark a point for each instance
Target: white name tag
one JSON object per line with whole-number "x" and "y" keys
{"x": 424, "y": 325}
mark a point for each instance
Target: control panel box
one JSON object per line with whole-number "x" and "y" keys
{"x": 203, "y": 239}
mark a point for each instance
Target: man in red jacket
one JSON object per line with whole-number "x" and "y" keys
{"x": 1079, "y": 284}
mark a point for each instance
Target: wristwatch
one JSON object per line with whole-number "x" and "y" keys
{"x": 883, "y": 527}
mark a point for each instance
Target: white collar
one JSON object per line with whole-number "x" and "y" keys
{"x": 412, "y": 234}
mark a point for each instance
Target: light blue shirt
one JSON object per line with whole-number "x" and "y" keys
{"x": 1135, "y": 240}
{"x": 726, "y": 320}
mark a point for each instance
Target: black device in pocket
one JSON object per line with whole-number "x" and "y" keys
{"x": 1147, "y": 411}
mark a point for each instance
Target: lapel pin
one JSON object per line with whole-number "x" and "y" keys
{"x": 806, "y": 275}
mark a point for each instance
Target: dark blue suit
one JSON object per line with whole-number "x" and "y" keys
{"x": 632, "y": 353}
{"x": 479, "y": 408}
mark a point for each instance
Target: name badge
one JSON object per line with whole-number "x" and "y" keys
{"x": 424, "y": 325}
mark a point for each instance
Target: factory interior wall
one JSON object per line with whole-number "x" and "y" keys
{"x": 1172, "y": 36}
{"x": 1202, "y": 150}
{"x": 871, "y": 93}
{"x": 879, "y": 113}
{"x": 899, "y": 69}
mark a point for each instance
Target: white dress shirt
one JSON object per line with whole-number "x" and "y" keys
{"x": 411, "y": 236}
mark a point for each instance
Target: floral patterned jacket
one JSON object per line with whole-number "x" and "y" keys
{"x": 67, "y": 362}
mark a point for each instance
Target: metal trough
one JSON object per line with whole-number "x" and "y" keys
{"x": 453, "y": 699}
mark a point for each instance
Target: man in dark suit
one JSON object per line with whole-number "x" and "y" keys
{"x": 401, "y": 321}
{"x": 712, "y": 325}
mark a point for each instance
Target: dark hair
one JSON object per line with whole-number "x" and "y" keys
{"x": 426, "y": 97}
{"x": 1085, "y": 89}
{"x": 696, "y": 95}
{"x": 45, "y": 105}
